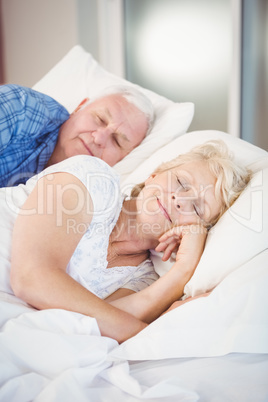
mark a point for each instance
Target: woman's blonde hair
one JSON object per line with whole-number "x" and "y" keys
{"x": 231, "y": 178}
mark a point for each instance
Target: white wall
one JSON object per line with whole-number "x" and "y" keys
{"x": 36, "y": 35}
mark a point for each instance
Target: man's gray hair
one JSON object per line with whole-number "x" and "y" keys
{"x": 132, "y": 95}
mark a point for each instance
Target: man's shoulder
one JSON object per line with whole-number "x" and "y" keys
{"x": 21, "y": 96}
{"x": 19, "y": 92}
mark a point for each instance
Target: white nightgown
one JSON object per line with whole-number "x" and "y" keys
{"x": 88, "y": 264}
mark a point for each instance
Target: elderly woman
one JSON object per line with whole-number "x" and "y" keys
{"x": 79, "y": 245}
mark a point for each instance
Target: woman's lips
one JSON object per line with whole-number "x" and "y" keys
{"x": 163, "y": 210}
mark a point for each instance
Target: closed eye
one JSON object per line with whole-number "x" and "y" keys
{"x": 180, "y": 183}
{"x": 199, "y": 211}
{"x": 101, "y": 120}
{"x": 196, "y": 210}
{"x": 184, "y": 186}
{"x": 116, "y": 141}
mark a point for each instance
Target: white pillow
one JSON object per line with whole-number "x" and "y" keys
{"x": 243, "y": 151}
{"x": 78, "y": 75}
{"x": 232, "y": 319}
{"x": 241, "y": 233}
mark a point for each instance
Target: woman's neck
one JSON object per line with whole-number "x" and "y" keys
{"x": 127, "y": 233}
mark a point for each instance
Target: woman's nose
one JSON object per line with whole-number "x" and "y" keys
{"x": 183, "y": 202}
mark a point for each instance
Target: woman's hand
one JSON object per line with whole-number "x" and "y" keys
{"x": 163, "y": 294}
{"x": 151, "y": 302}
{"x": 187, "y": 241}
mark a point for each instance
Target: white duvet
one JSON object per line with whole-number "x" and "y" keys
{"x": 56, "y": 355}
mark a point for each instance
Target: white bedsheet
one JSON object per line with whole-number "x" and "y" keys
{"x": 56, "y": 355}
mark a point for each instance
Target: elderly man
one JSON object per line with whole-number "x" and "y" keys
{"x": 36, "y": 131}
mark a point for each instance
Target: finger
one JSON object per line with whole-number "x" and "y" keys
{"x": 170, "y": 239}
{"x": 164, "y": 244}
{"x": 168, "y": 251}
{"x": 161, "y": 246}
{"x": 174, "y": 232}
{"x": 180, "y": 231}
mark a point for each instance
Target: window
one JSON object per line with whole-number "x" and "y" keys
{"x": 182, "y": 49}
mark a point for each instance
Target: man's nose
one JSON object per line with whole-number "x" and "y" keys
{"x": 101, "y": 136}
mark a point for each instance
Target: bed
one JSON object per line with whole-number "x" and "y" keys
{"x": 210, "y": 349}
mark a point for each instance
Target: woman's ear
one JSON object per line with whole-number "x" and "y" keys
{"x": 84, "y": 101}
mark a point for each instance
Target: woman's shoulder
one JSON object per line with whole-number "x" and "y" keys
{"x": 85, "y": 168}
{"x": 101, "y": 181}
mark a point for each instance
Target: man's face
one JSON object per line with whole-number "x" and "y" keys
{"x": 108, "y": 128}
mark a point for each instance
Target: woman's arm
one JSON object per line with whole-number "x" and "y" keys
{"x": 43, "y": 243}
{"x": 44, "y": 240}
{"x": 151, "y": 302}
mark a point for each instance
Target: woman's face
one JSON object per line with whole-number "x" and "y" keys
{"x": 180, "y": 196}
